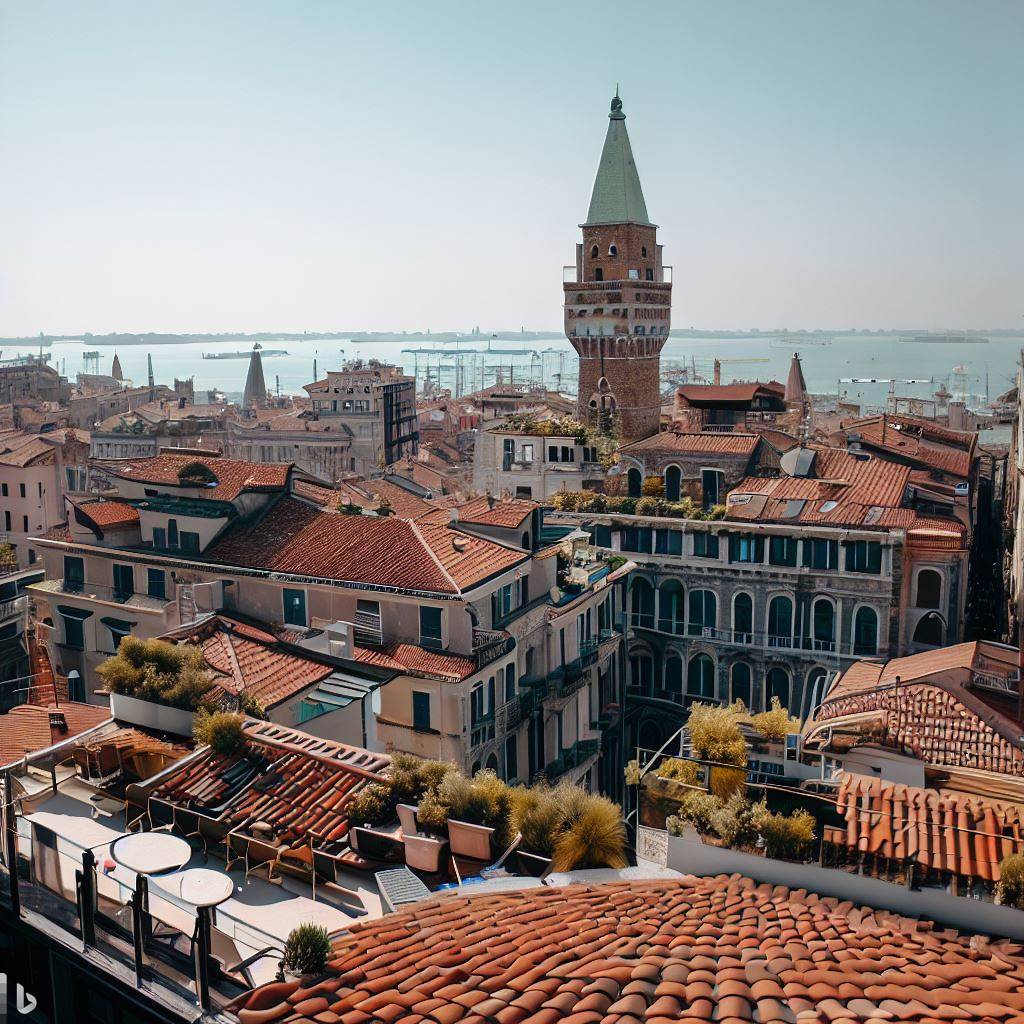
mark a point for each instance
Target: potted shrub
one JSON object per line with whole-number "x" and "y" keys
{"x": 1010, "y": 887}
{"x": 306, "y": 952}
{"x": 592, "y": 835}
{"x": 222, "y": 731}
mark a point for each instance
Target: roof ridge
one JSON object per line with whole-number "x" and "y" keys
{"x": 430, "y": 551}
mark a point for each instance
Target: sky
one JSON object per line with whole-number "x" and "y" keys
{"x": 221, "y": 166}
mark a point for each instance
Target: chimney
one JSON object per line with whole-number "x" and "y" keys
{"x": 58, "y": 722}
{"x": 718, "y": 372}
{"x": 491, "y": 500}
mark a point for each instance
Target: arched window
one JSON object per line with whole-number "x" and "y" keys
{"x": 776, "y": 685}
{"x": 814, "y": 691}
{"x": 823, "y": 620}
{"x": 673, "y": 477}
{"x": 742, "y": 619}
{"x": 929, "y": 630}
{"x": 634, "y": 482}
{"x": 740, "y": 683}
{"x": 865, "y": 632}
{"x": 700, "y": 677}
{"x": 929, "y": 589}
{"x": 703, "y": 611}
{"x": 674, "y": 676}
{"x": 641, "y": 603}
{"x": 643, "y": 250}
{"x": 598, "y": 274}
{"x": 595, "y": 252}
{"x": 492, "y": 763}
{"x": 780, "y": 622}
{"x": 671, "y": 611}
{"x": 641, "y": 671}
{"x": 613, "y": 250}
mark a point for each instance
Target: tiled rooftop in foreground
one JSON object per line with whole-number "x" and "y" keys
{"x": 702, "y": 949}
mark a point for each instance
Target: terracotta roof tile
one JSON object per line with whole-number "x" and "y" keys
{"x": 507, "y": 512}
{"x": 109, "y": 514}
{"x": 26, "y": 728}
{"x": 702, "y": 949}
{"x": 918, "y": 441}
{"x": 247, "y": 658}
{"x": 935, "y": 711}
{"x": 967, "y": 835}
{"x": 415, "y": 660}
{"x": 294, "y": 537}
{"x": 233, "y": 477}
{"x": 714, "y": 394}
{"x": 682, "y": 443}
{"x": 300, "y": 785}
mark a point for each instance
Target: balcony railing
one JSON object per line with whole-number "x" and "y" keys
{"x": 101, "y": 592}
{"x": 745, "y": 638}
{"x": 571, "y": 757}
{"x": 491, "y": 644}
{"x": 15, "y": 606}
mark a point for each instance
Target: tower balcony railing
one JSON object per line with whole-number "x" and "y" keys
{"x": 570, "y": 275}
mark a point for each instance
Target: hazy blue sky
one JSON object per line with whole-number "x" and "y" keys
{"x": 304, "y": 165}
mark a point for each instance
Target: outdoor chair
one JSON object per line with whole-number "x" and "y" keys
{"x": 225, "y": 951}
{"x": 423, "y": 853}
{"x": 407, "y": 819}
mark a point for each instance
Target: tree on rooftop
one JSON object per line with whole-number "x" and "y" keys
{"x": 715, "y": 734}
{"x": 775, "y": 723}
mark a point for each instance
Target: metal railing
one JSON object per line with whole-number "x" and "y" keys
{"x": 746, "y": 638}
{"x": 15, "y": 606}
{"x": 491, "y": 644}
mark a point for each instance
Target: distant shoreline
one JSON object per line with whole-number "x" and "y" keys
{"x": 449, "y": 337}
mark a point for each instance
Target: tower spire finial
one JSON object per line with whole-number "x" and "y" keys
{"x": 616, "y": 111}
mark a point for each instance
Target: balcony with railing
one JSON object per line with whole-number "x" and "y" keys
{"x": 571, "y": 758}
{"x": 746, "y": 638}
{"x": 13, "y": 607}
{"x": 491, "y": 644}
{"x": 83, "y": 591}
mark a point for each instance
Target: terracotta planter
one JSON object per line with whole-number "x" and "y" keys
{"x": 469, "y": 840}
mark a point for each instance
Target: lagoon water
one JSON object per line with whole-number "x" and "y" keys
{"x": 746, "y": 358}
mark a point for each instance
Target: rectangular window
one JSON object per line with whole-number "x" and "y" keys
{"x": 124, "y": 582}
{"x": 510, "y": 682}
{"x": 501, "y": 602}
{"x": 420, "y": 711}
{"x": 3, "y": 491}
{"x": 74, "y": 574}
{"x": 603, "y": 536}
{"x": 430, "y": 627}
{"x": 76, "y": 688}
{"x": 705, "y": 545}
{"x": 864, "y": 556}
{"x": 294, "y": 606}
{"x": 368, "y": 626}
{"x": 74, "y": 632}
{"x": 172, "y": 533}
{"x": 746, "y": 547}
{"x": 552, "y": 453}
{"x": 7, "y": 520}
{"x": 668, "y": 542}
{"x": 511, "y": 758}
{"x": 527, "y": 453}
{"x": 159, "y": 537}
{"x": 21, "y": 490}
{"x": 782, "y": 551}
{"x": 156, "y": 584}
{"x": 821, "y": 554}
{"x": 189, "y": 543}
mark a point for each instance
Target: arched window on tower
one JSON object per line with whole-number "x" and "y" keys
{"x": 634, "y": 482}
{"x": 594, "y": 252}
{"x": 598, "y": 274}
{"x": 643, "y": 250}
{"x": 613, "y": 250}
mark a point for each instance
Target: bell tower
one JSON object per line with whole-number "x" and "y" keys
{"x": 618, "y": 297}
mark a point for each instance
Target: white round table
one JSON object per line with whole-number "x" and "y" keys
{"x": 200, "y": 887}
{"x": 151, "y": 853}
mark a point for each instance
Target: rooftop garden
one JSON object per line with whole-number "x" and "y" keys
{"x": 649, "y": 505}
{"x": 605, "y": 441}
{"x": 157, "y": 671}
{"x": 8, "y": 558}
{"x": 709, "y": 793}
{"x": 564, "y": 824}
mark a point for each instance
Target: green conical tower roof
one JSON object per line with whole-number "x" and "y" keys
{"x": 617, "y": 197}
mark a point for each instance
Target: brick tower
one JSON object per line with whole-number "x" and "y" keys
{"x": 618, "y": 301}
